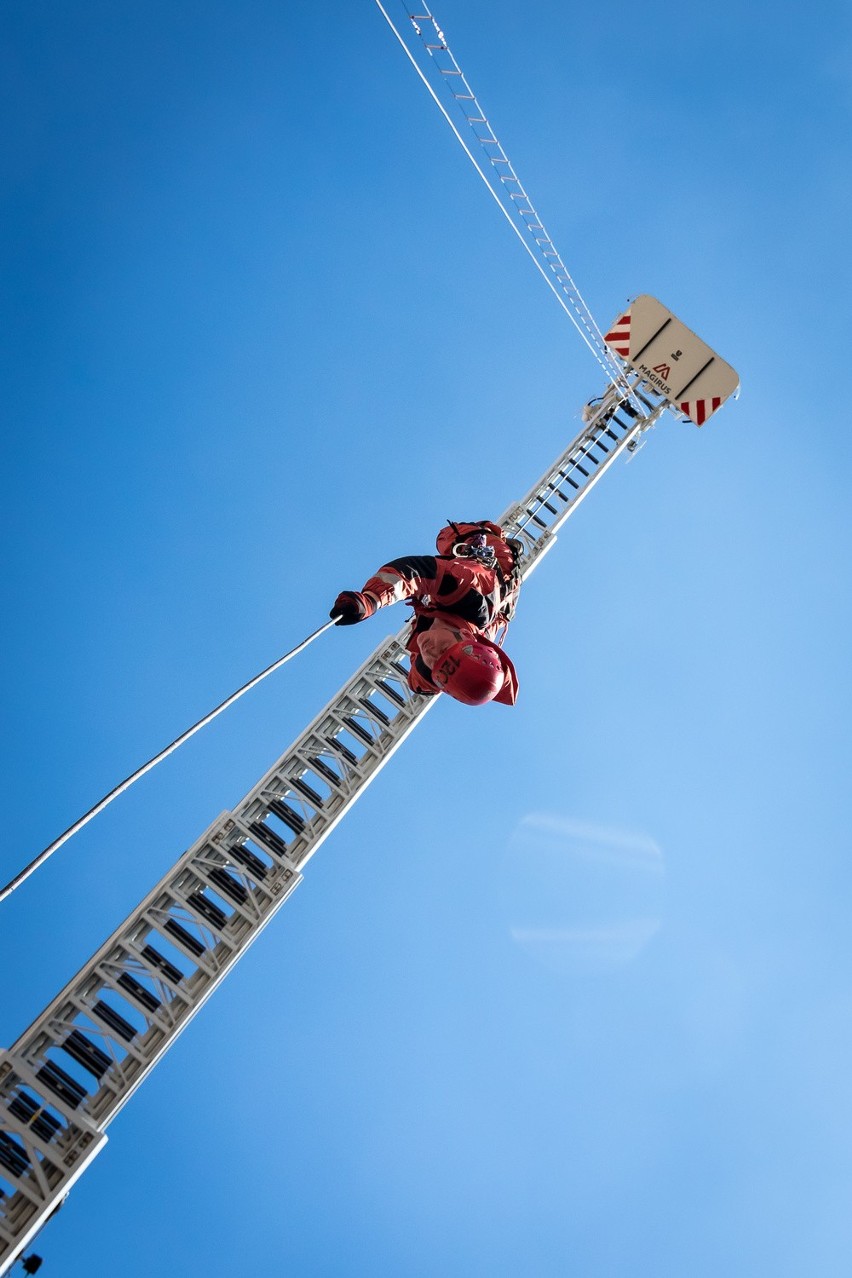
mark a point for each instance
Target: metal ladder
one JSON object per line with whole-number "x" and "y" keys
{"x": 426, "y": 46}
{"x": 70, "y": 1073}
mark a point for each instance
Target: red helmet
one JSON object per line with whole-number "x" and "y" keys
{"x": 470, "y": 671}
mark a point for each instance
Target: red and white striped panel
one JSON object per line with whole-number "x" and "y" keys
{"x": 698, "y": 410}
{"x": 618, "y": 336}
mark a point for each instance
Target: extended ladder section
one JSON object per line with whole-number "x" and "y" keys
{"x": 70, "y": 1073}
{"x": 429, "y": 53}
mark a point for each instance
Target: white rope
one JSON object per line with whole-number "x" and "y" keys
{"x": 576, "y": 310}
{"x": 158, "y": 758}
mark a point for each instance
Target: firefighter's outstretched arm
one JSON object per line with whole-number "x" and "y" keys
{"x": 352, "y": 606}
{"x": 399, "y": 579}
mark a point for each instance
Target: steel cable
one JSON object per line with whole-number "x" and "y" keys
{"x": 158, "y": 758}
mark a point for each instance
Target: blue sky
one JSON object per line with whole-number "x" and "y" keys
{"x": 569, "y": 991}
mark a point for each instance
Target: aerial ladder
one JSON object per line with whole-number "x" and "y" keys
{"x": 71, "y": 1072}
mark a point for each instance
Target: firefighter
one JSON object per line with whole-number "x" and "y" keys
{"x": 463, "y": 599}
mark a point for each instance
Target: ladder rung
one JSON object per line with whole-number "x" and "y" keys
{"x": 374, "y": 709}
{"x": 254, "y": 865}
{"x": 320, "y": 766}
{"x": 30, "y": 1112}
{"x": 117, "y": 1024}
{"x": 136, "y": 990}
{"x": 13, "y": 1156}
{"x": 343, "y": 750}
{"x": 264, "y": 835}
{"x": 184, "y": 938}
{"x": 86, "y": 1053}
{"x": 355, "y": 727}
{"x": 298, "y": 783}
{"x": 162, "y": 964}
{"x": 209, "y": 912}
{"x": 228, "y": 885}
{"x": 390, "y": 693}
{"x": 61, "y": 1084}
{"x": 286, "y": 814}
{"x": 45, "y": 1126}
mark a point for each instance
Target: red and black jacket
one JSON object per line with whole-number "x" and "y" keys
{"x": 482, "y": 596}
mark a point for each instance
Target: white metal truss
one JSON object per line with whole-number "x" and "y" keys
{"x": 70, "y": 1073}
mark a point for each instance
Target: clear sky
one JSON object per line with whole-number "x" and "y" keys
{"x": 569, "y": 992}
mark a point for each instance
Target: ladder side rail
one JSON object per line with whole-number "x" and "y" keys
{"x": 186, "y": 882}
{"x": 349, "y": 709}
{"x": 75, "y": 1067}
{"x": 612, "y": 429}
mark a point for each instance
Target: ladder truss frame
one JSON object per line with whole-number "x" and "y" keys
{"x": 76, "y": 1066}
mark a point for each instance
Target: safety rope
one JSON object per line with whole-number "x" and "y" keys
{"x": 158, "y": 758}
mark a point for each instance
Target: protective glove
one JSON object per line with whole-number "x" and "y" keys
{"x": 351, "y": 606}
